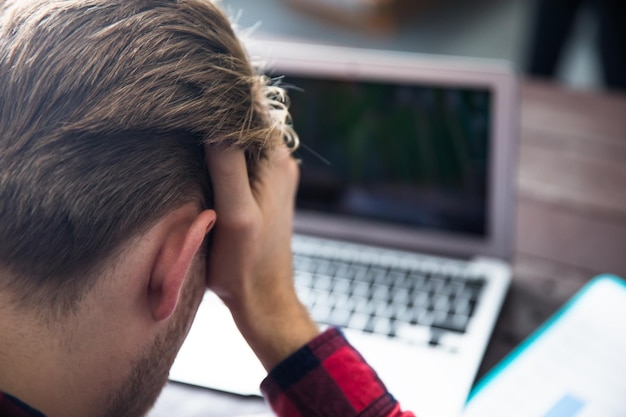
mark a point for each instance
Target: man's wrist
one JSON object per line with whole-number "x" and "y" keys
{"x": 274, "y": 334}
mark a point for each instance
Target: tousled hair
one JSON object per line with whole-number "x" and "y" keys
{"x": 104, "y": 111}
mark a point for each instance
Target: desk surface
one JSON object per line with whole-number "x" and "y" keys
{"x": 571, "y": 224}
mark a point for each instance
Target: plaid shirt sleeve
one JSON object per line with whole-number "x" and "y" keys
{"x": 328, "y": 377}
{"x": 12, "y": 407}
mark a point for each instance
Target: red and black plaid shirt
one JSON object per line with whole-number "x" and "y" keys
{"x": 327, "y": 377}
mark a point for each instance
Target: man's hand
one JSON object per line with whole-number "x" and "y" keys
{"x": 250, "y": 262}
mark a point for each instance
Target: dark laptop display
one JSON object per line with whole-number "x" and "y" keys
{"x": 408, "y": 154}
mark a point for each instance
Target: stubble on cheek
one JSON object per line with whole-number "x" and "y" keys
{"x": 145, "y": 381}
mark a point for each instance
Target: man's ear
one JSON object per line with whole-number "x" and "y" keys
{"x": 182, "y": 241}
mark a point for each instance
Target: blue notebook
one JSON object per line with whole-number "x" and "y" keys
{"x": 572, "y": 366}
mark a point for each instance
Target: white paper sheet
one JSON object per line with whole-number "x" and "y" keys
{"x": 574, "y": 366}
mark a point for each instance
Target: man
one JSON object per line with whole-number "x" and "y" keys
{"x": 554, "y": 22}
{"x": 111, "y": 227}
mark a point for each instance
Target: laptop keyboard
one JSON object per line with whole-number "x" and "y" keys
{"x": 410, "y": 297}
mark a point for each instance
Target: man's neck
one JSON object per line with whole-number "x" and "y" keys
{"x": 36, "y": 368}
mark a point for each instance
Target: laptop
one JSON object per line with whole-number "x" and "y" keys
{"x": 403, "y": 231}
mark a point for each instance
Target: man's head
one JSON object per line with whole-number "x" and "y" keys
{"x": 105, "y": 108}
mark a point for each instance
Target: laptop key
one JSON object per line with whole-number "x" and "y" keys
{"x": 380, "y": 292}
{"x": 358, "y": 321}
{"x": 400, "y": 297}
{"x": 376, "y": 275}
{"x": 457, "y": 324}
{"x": 421, "y": 299}
{"x": 462, "y": 306}
{"x": 321, "y": 312}
{"x": 381, "y": 325}
{"x": 438, "y": 284}
{"x": 360, "y": 289}
{"x": 395, "y": 277}
{"x": 361, "y": 305}
{"x": 441, "y": 303}
{"x": 355, "y": 272}
{"x": 341, "y": 285}
{"x": 322, "y": 282}
{"x": 384, "y": 310}
{"x": 339, "y": 317}
{"x": 403, "y": 313}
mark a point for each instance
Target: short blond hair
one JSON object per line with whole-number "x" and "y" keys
{"x": 105, "y": 108}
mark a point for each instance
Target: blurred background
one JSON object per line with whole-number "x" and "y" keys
{"x": 561, "y": 39}
{"x": 571, "y": 203}
{"x": 571, "y": 200}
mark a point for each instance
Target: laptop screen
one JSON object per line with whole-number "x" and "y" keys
{"x": 405, "y": 154}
